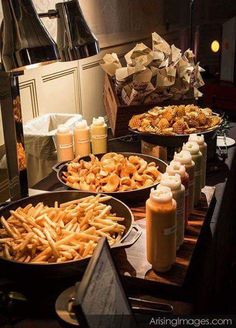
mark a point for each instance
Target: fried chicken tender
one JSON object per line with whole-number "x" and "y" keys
{"x": 163, "y": 124}
{"x": 180, "y": 126}
{"x": 202, "y": 118}
{"x": 169, "y": 114}
{"x": 135, "y": 122}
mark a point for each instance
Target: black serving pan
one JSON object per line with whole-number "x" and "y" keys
{"x": 129, "y": 197}
{"x": 39, "y": 273}
{"x": 173, "y": 141}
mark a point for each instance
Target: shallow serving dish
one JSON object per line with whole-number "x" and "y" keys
{"x": 175, "y": 140}
{"x": 39, "y": 272}
{"x": 132, "y": 196}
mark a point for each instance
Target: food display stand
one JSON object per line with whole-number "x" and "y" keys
{"x": 180, "y": 286}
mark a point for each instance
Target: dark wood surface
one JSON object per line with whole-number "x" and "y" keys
{"x": 132, "y": 261}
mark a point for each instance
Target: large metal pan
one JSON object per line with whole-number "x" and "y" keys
{"x": 33, "y": 272}
{"x": 176, "y": 140}
{"x": 133, "y": 196}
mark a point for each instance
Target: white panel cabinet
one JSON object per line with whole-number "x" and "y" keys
{"x": 91, "y": 83}
{"x": 50, "y": 88}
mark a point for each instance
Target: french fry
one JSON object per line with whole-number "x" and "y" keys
{"x": 26, "y": 208}
{"x": 104, "y": 212}
{"x": 7, "y": 227}
{"x": 6, "y": 252}
{"x": 103, "y": 234}
{"x": 51, "y": 243}
{"x": 18, "y": 216}
{"x": 39, "y": 233}
{"x": 4, "y": 240}
{"x": 76, "y": 201}
{"x": 114, "y": 218}
{"x": 88, "y": 248}
{"x": 21, "y": 247}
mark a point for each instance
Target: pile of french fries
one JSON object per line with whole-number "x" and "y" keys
{"x": 65, "y": 232}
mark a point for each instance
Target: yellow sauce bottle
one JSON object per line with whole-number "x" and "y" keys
{"x": 161, "y": 229}
{"x": 203, "y": 149}
{"x": 185, "y": 158}
{"x": 81, "y": 139}
{"x": 98, "y": 130}
{"x": 64, "y": 143}
{"x": 194, "y": 150}
{"x": 178, "y": 192}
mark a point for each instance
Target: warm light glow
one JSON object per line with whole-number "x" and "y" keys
{"x": 215, "y": 46}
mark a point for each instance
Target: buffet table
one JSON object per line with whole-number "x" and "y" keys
{"x": 132, "y": 261}
{"x": 175, "y": 287}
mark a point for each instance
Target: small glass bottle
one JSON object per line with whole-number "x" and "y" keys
{"x": 64, "y": 144}
{"x": 176, "y": 167}
{"x": 81, "y": 139}
{"x": 185, "y": 158}
{"x": 194, "y": 150}
{"x": 98, "y": 130}
{"x": 178, "y": 192}
{"x": 203, "y": 149}
{"x": 161, "y": 229}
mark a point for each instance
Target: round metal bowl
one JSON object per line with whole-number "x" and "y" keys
{"x": 132, "y": 196}
{"x": 40, "y": 272}
{"x": 175, "y": 140}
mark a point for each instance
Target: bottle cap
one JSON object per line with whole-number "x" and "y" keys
{"x": 176, "y": 167}
{"x": 171, "y": 181}
{"x": 192, "y": 147}
{"x": 184, "y": 157}
{"x": 63, "y": 129}
{"x": 98, "y": 121}
{"x": 81, "y": 125}
{"x": 161, "y": 194}
{"x": 198, "y": 139}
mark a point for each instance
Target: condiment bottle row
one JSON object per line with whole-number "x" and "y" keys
{"x": 169, "y": 206}
{"x": 83, "y": 141}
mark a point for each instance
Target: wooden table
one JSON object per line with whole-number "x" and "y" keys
{"x": 132, "y": 261}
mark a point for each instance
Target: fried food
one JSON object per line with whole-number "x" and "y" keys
{"x": 173, "y": 120}
{"x": 21, "y": 156}
{"x": 113, "y": 172}
{"x": 69, "y": 231}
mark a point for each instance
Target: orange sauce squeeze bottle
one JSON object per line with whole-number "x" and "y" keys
{"x": 161, "y": 229}
{"x": 64, "y": 143}
{"x": 81, "y": 139}
{"x": 178, "y": 192}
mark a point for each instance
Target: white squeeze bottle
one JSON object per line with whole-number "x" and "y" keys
{"x": 176, "y": 167}
{"x": 64, "y": 143}
{"x": 185, "y": 158}
{"x": 161, "y": 229}
{"x": 194, "y": 150}
{"x": 98, "y": 130}
{"x": 203, "y": 149}
{"x": 82, "y": 139}
{"x": 178, "y": 192}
